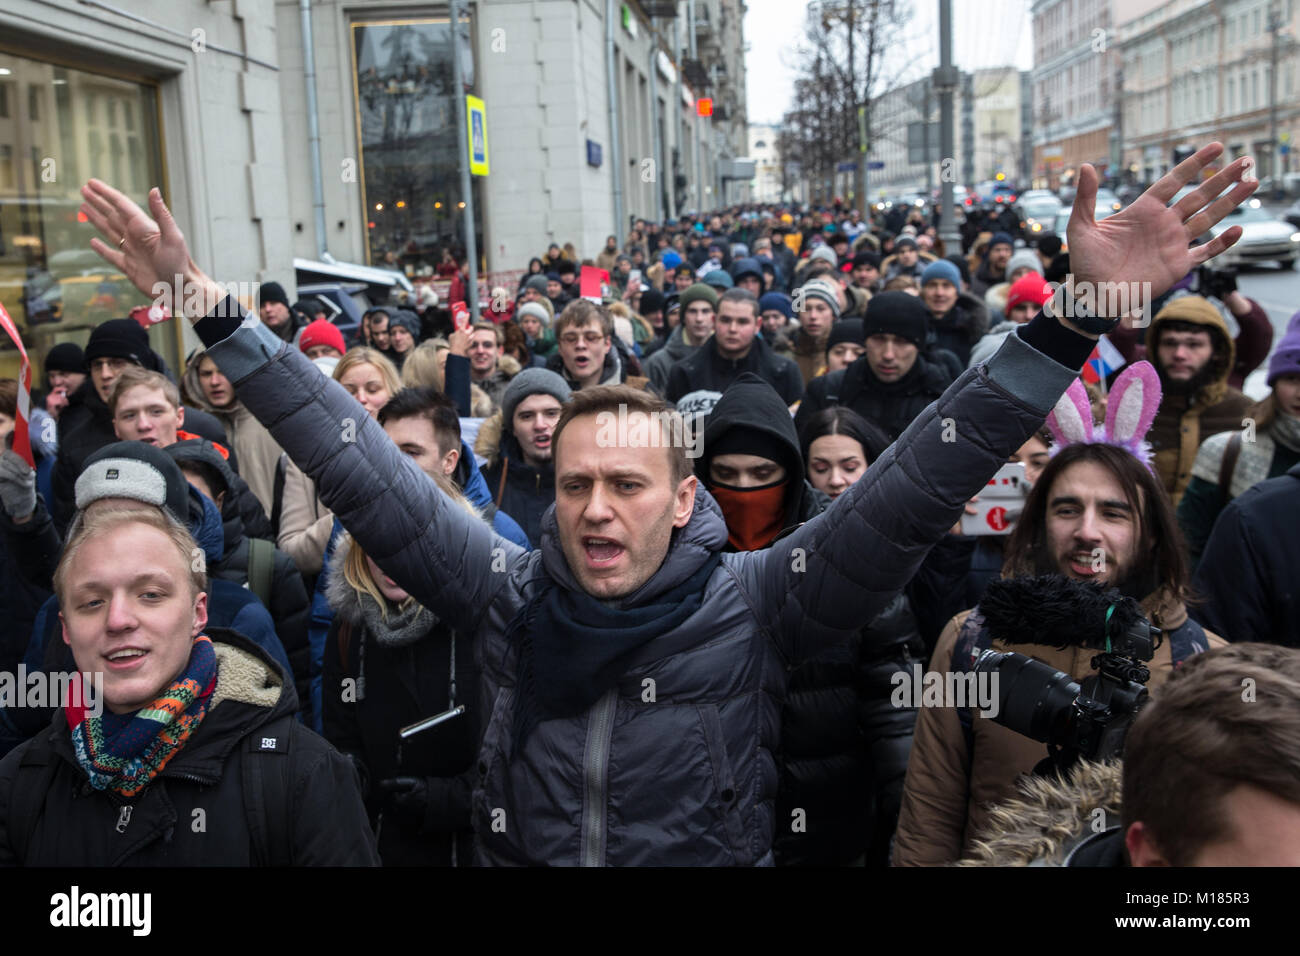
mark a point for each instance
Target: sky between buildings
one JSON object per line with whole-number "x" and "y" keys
{"x": 985, "y": 33}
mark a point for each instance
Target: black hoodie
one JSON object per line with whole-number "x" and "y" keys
{"x": 753, "y": 403}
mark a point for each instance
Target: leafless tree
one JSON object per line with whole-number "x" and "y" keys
{"x": 843, "y": 65}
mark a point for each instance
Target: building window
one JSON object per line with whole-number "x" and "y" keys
{"x": 51, "y": 282}
{"x": 4, "y": 100}
{"x": 406, "y": 123}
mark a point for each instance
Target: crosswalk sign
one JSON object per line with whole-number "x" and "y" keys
{"x": 476, "y": 111}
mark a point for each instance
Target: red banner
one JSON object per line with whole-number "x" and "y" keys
{"x": 590, "y": 283}
{"x": 22, "y": 440}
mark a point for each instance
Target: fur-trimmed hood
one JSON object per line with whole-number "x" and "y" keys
{"x": 342, "y": 597}
{"x": 1049, "y": 817}
{"x": 487, "y": 443}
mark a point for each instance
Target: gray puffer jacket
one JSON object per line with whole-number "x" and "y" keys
{"x": 674, "y": 765}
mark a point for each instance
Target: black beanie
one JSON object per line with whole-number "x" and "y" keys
{"x": 272, "y": 292}
{"x": 121, "y": 338}
{"x": 747, "y": 440}
{"x": 652, "y": 300}
{"x": 897, "y": 313}
{"x": 845, "y": 330}
{"x": 65, "y": 357}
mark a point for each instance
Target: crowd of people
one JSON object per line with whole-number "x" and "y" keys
{"x": 502, "y": 645}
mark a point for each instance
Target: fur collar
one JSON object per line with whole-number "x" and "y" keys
{"x": 1048, "y": 817}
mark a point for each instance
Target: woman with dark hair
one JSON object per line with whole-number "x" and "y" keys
{"x": 844, "y": 745}
{"x": 535, "y": 268}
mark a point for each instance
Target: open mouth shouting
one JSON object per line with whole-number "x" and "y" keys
{"x": 601, "y": 552}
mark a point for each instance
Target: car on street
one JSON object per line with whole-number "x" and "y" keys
{"x": 1264, "y": 237}
{"x": 1106, "y": 198}
{"x": 993, "y": 193}
{"x": 1292, "y": 215}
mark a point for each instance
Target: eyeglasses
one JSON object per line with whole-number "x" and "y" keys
{"x": 592, "y": 338}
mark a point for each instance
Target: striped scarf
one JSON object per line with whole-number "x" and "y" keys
{"x": 124, "y": 752}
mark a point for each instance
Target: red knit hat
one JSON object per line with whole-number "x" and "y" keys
{"x": 322, "y": 332}
{"x": 1030, "y": 287}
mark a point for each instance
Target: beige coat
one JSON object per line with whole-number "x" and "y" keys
{"x": 254, "y": 448}
{"x": 305, "y": 522}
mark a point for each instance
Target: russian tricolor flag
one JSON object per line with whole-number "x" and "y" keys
{"x": 1105, "y": 358}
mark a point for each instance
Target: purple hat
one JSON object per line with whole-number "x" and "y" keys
{"x": 1286, "y": 357}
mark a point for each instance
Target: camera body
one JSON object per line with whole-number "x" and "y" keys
{"x": 1076, "y": 719}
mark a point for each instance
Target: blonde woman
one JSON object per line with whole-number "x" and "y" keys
{"x": 305, "y": 523}
{"x": 389, "y": 663}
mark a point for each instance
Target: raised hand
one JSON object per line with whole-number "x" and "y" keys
{"x": 1150, "y": 241}
{"x": 149, "y": 249}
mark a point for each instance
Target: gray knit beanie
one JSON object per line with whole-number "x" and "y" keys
{"x": 532, "y": 381}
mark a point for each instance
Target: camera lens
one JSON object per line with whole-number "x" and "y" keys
{"x": 1034, "y": 699}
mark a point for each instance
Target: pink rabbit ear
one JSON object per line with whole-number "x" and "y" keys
{"x": 1133, "y": 403}
{"x": 1071, "y": 419}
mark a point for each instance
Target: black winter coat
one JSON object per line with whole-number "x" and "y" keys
{"x": 891, "y": 406}
{"x": 527, "y": 491}
{"x": 1247, "y": 572}
{"x": 706, "y": 370}
{"x": 194, "y": 813}
{"x": 376, "y": 690}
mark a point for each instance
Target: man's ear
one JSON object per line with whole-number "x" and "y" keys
{"x": 221, "y": 498}
{"x": 180, "y": 416}
{"x": 450, "y": 461}
{"x": 1141, "y": 846}
{"x": 200, "y": 613}
{"x": 63, "y": 626}
{"x": 685, "y": 501}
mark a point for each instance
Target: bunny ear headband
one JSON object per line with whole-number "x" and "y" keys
{"x": 1130, "y": 411}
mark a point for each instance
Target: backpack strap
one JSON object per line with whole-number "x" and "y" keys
{"x": 261, "y": 568}
{"x": 1226, "y": 467}
{"x": 972, "y": 639}
{"x": 31, "y": 783}
{"x": 268, "y": 792}
{"x": 1187, "y": 641}
{"x": 501, "y": 485}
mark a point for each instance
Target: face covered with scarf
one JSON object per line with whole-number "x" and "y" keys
{"x": 751, "y": 491}
{"x": 130, "y": 608}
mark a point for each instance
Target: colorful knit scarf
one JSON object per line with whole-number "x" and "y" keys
{"x": 124, "y": 752}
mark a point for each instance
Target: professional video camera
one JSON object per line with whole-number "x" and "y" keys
{"x": 1087, "y": 719}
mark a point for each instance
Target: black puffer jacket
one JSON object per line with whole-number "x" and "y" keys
{"x": 844, "y": 746}
{"x": 892, "y": 406}
{"x": 372, "y": 689}
{"x": 195, "y": 812}
{"x": 706, "y": 370}
{"x": 527, "y": 491}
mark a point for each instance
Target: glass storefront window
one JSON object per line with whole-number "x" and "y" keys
{"x": 406, "y": 124}
{"x": 60, "y": 126}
